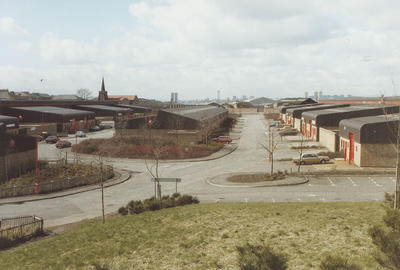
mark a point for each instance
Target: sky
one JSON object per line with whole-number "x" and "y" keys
{"x": 271, "y": 48}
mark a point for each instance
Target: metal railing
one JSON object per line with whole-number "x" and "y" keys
{"x": 57, "y": 185}
{"x": 18, "y": 227}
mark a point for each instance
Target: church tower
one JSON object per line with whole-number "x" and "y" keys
{"x": 103, "y": 93}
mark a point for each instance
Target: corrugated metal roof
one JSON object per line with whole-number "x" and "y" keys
{"x": 198, "y": 114}
{"x": 312, "y": 115}
{"x": 133, "y": 107}
{"x": 359, "y": 122}
{"x": 296, "y": 112}
{"x": 106, "y": 108}
{"x": 54, "y": 110}
{"x": 8, "y": 120}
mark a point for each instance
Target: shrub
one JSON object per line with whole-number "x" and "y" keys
{"x": 152, "y": 204}
{"x": 260, "y": 257}
{"x": 135, "y": 207}
{"x": 122, "y": 211}
{"x": 331, "y": 262}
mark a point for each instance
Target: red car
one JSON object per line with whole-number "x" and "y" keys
{"x": 63, "y": 144}
{"x": 224, "y": 139}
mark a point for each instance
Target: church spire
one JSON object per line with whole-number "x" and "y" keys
{"x": 102, "y": 85}
{"x": 103, "y": 93}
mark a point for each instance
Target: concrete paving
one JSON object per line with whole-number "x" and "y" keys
{"x": 249, "y": 156}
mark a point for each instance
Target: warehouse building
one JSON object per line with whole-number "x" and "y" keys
{"x": 369, "y": 141}
{"x": 107, "y": 112}
{"x": 8, "y": 124}
{"x": 17, "y": 155}
{"x": 53, "y": 120}
{"x": 283, "y": 111}
{"x": 323, "y": 125}
{"x": 293, "y": 115}
{"x": 192, "y": 124}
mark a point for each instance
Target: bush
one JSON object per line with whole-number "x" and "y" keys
{"x": 122, "y": 211}
{"x": 135, "y": 207}
{"x": 331, "y": 262}
{"x": 260, "y": 257}
{"x": 152, "y": 204}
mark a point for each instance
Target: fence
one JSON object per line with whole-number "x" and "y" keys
{"x": 57, "y": 185}
{"x": 18, "y": 227}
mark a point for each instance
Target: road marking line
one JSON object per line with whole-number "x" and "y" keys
{"x": 393, "y": 180}
{"x": 309, "y": 184}
{"x": 330, "y": 181}
{"x": 351, "y": 180}
{"x": 373, "y": 181}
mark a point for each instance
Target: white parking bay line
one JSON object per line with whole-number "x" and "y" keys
{"x": 373, "y": 181}
{"x": 330, "y": 181}
{"x": 351, "y": 180}
{"x": 393, "y": 180}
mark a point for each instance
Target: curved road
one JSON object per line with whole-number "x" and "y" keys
{"x": 249, "y": 157}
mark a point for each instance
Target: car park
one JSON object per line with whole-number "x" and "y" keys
{"x": 224, "y": 139}
{"x": 52, "y": 139}
{"x": 80, "y": 134}
{"x": 63, "y": 144}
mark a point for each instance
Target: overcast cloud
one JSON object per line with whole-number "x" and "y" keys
{"x": 271, "y": 48}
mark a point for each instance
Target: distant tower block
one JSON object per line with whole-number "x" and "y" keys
{"x": 176, "y": 97}
{"x": 306, "y": 94}
{"x": 103, "y": 93}
{"x": 172, "y": 97}
{"x": 218, "y": 95}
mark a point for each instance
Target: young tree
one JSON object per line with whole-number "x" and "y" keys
{"x": 271, "y": 147}
{"x": 300, "y": 150}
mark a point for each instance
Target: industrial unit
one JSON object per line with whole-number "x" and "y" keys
{"x": 283, "y": 111}
{"x": 192, "y": 124}
{"x": 369, "y": 141}
{"x": 329, "y": 119}
{"x": 293, "y": 115}
{"x": 107, "y": 111}
{"x": 64, "y": 120}
{"x": 8, "y": 123}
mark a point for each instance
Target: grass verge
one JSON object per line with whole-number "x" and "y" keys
{"x": 205, "y": 236}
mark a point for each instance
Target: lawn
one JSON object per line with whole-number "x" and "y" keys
{"x": 205, "y": 236}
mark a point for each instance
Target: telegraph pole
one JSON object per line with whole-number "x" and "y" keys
{"x": 397, "y": 188}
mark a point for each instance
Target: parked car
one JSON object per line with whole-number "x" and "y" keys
{"x": 52, "y": 139}
{"x": 288, "y": 132}
{"x": 63, "y": 144}
{"x": 224, "y": 139}
{"x": 105, "y": 126}
{"x": 94, "y": 128}
{"x": 38, "y": 137}
{"x": 80, "y": 134}
{"x": 311, "y": 159}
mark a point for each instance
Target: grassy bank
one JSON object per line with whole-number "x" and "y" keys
{"x": 131, "y": 147}
{"x": 205, "y": 236}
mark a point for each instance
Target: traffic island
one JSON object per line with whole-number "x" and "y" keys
{"x": 222, "y": 180}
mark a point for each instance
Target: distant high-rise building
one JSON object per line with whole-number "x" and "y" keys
{"x": 315, "y": 94}
{"x": 218, "y": 95}
{"x": 174, "y": 97}
{"x": 244, "y": 97}
{"x": 103, "y": 93}
{"x": 234, "y": 98}
{"x": 306, "y": 94}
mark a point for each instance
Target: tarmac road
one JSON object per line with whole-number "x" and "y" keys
{"x": 249, "y": 157}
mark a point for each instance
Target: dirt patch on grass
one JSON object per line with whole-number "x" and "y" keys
{"x": 256, "y": 177}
